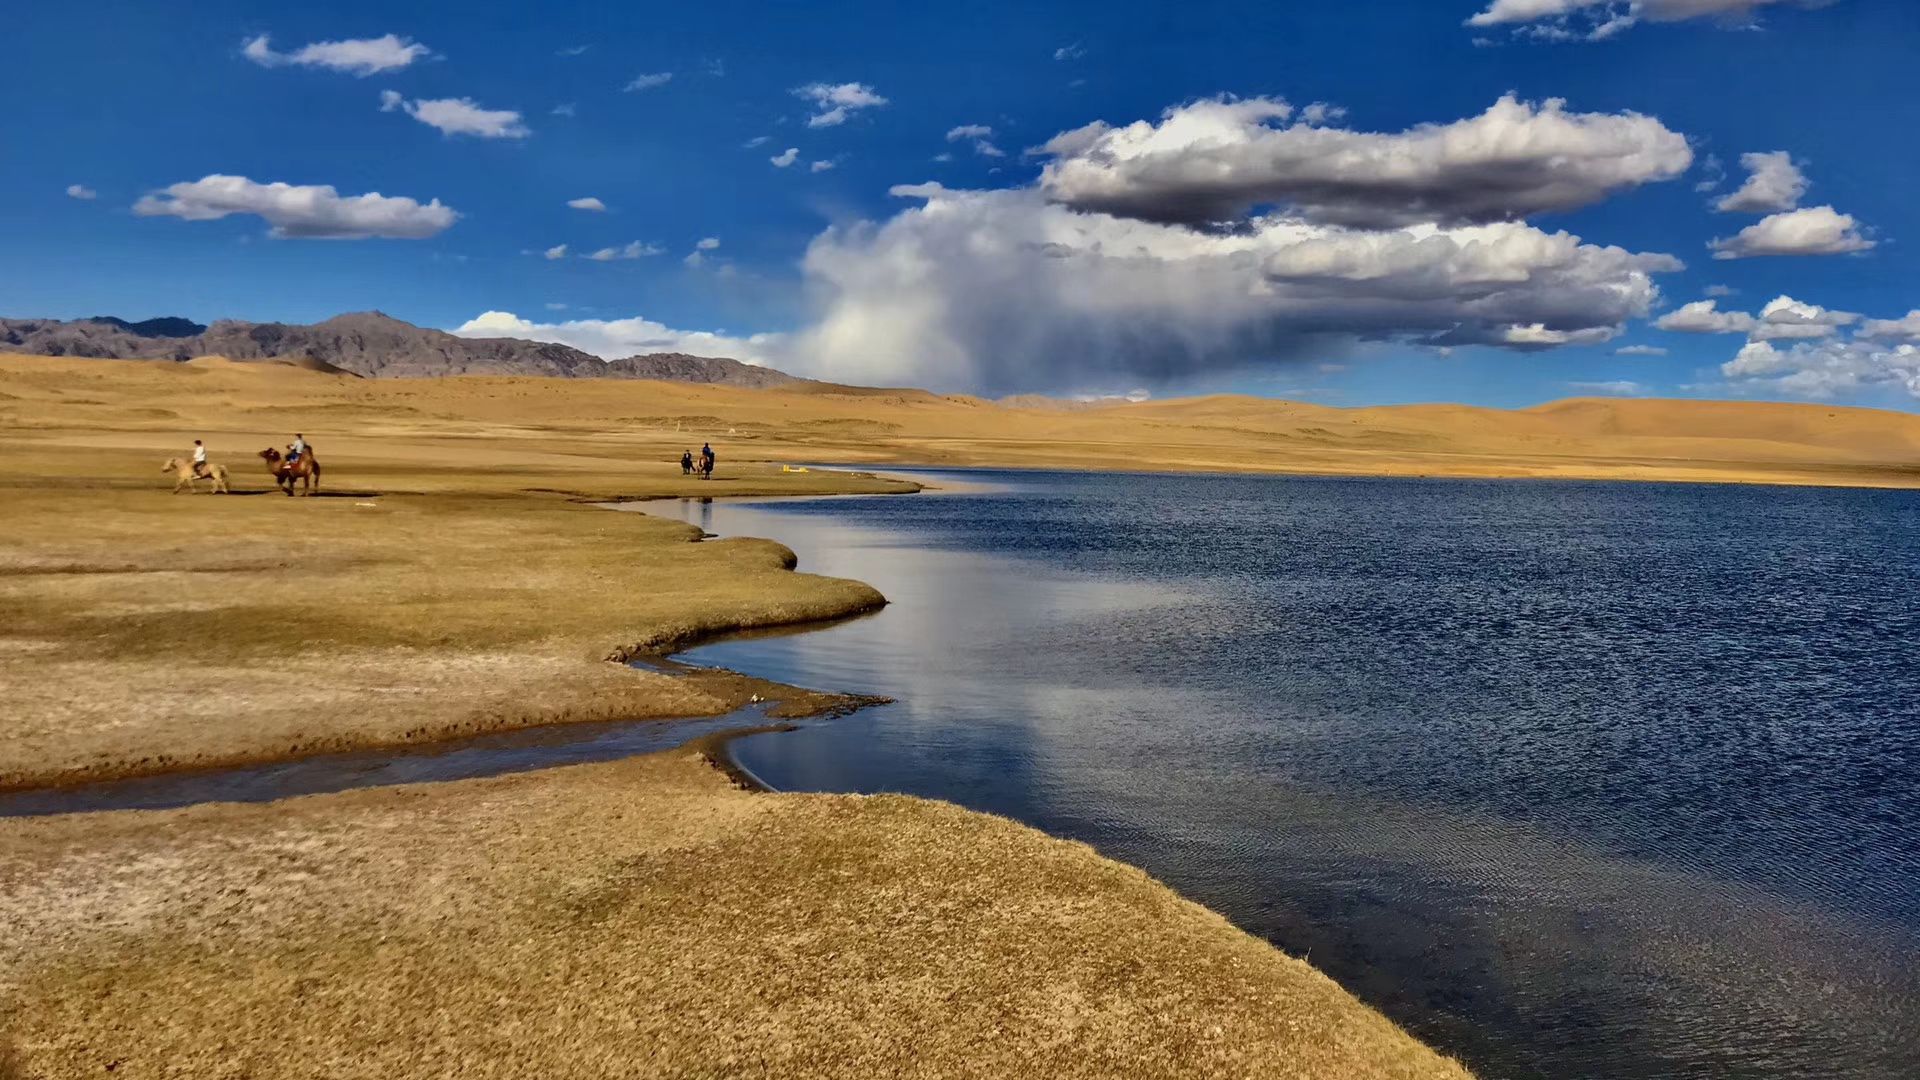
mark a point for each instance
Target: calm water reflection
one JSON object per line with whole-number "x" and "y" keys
{"x": 1572, "y": 779}
{"x": 454, "y": 759}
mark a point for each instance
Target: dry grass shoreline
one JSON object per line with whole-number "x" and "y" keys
{"x": 207, "y": 656}
{"x": 643, "y": 916}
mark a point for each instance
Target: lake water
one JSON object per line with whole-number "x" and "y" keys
{"x": 1571, "y": 779}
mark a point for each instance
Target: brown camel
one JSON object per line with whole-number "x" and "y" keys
{"x": 306, "y": 470}
{"x": 189, "y": 479}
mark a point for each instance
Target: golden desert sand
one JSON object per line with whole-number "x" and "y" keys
{"x": 548, "y": 429}
{"x": 639, "y": 918}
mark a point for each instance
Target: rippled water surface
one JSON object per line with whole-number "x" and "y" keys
{"x": 1574, "y": 780}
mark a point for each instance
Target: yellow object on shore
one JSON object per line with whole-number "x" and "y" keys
{"x": 793, "y": 468}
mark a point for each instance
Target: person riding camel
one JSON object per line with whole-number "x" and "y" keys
{"x": 199, "y": 458}
{"x": 295, "y": 448}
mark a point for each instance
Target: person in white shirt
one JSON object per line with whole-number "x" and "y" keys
{"x": 199, "y": 458}
{"x": 296, "y": 448}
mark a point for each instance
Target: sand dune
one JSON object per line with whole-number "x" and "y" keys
{"x": 155, "y": 404}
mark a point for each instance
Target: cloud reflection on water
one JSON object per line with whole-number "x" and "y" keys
{"x": 1050, "y": 694}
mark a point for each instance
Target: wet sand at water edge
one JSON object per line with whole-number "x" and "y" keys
{"x": 638, "y": 917}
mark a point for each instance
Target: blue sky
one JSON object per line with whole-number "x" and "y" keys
{"x": 1079, "y": 280}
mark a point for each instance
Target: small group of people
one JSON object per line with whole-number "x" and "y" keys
{"x": 705, "y": 466}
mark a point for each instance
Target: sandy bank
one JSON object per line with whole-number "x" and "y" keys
{"x": 637, "y": 918}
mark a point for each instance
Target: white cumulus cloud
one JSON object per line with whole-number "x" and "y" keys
{"x": 359, "y": 57}
{"x": 1815, "y": 230}
{"x": 1003, "y": 291}
{"x": 1785, "y": 318}
{"x": 1213, "y": 160}
{"x": 980, "y": 135}
{"x": 300, "y": 210}
{"x": 1774, "y": 183}
{"x": 1826, "y": 369}
{"x": 633, "y": 250}
{"x": 458, "y": 116}
{"x": 1597, "y": 20}
{"x": 1782, "y": 318}
{"x": 587, "y": 203}
{"x": 834, "y": 103}
{"x": 1705, "y": 317}
{"x": 81, "y": 191}
{"x": 557, "y": 251}
{"x": 820, "y": 166}
{"x": 611, "y": 339}
{"x": 648, "y": 82}
{"x": 1904, "y": 330}
{"x": 1798, "y": 349}
{"x": 785, "y": 157}
{"x": 1639, "y": 350}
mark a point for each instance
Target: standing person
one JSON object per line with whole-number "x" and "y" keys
{"x": 706, "y": 460}
{"x": 199, "y": 458}
{"x": 686, "y": 463}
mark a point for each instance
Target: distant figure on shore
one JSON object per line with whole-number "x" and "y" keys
{"x": 199, "y": 459}
{"x": 706, "y": 461}
{"x": 686, "y": 463}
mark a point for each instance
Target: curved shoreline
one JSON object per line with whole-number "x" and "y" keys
{"x": 825, "y": 918}
{"x": 717, "y": 749}
{"x": 792, "y": 702}
{"x": 809, "y": 601}
{"x": 784, "y": 702}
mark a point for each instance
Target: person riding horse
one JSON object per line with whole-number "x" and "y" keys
{"x": 199, "y": 459}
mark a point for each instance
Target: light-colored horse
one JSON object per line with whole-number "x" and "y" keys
{"x": 189, "y": 480}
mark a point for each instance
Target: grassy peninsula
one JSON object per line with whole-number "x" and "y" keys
{"x": 638, "y": 918}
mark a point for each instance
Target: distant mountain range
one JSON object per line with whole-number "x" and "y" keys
{"x": 369, "y": 344}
